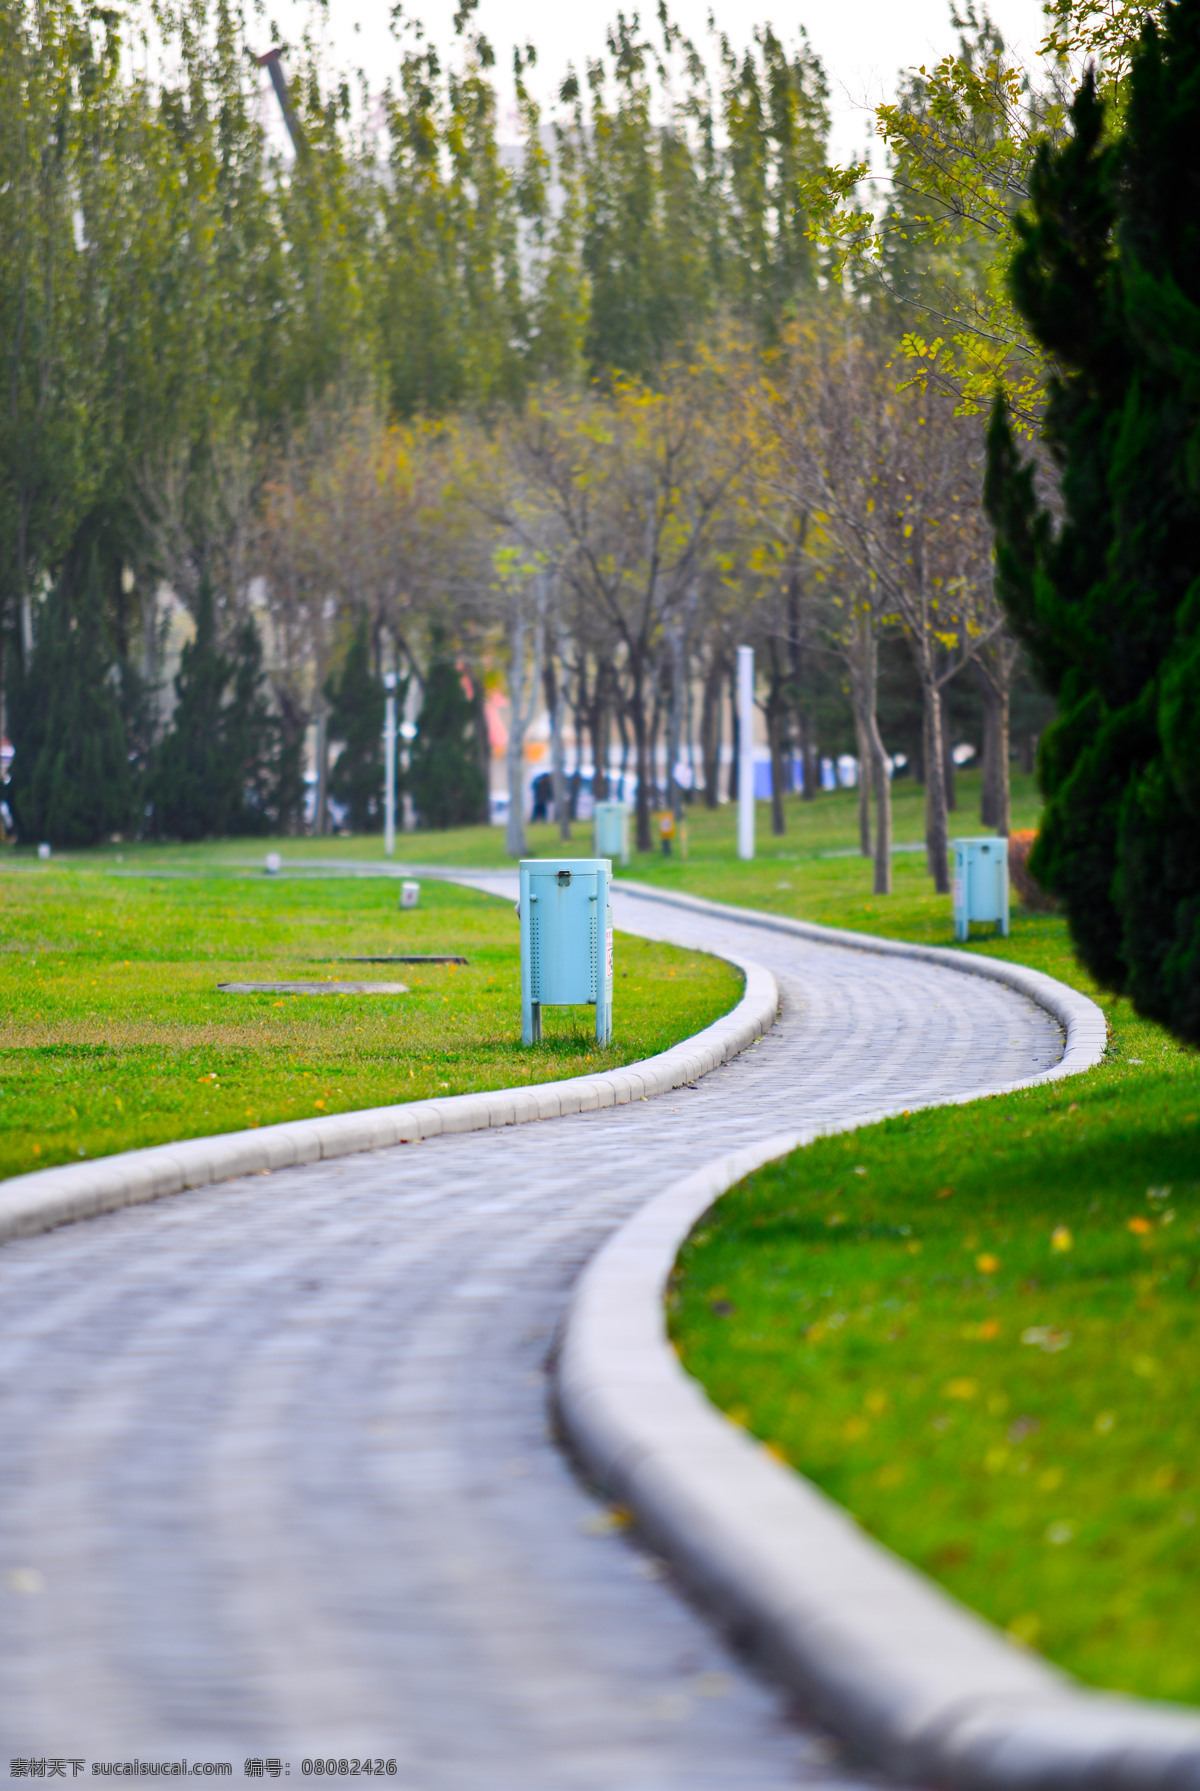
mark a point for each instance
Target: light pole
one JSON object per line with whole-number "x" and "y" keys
{"x": 745, "y": 672}
{"x": 389, "y": 765}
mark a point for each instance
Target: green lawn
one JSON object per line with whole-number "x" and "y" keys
{"x": 113, "y": 1032}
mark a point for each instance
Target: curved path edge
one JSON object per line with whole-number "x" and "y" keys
{"x": 1082, "y": 1020}
{"x": 52, "y": 1197}
{"x": 877, "y": 1650}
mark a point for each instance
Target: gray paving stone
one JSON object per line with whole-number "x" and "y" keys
{"x": 280, "y": 1449}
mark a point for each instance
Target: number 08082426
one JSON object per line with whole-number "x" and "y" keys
{"x": 347, "y": 1768}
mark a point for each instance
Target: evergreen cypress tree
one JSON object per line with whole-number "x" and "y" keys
{"x": 251, "y": 739}
{"x": 194, "y": 788}
{"x": 444, "y": 776}
{"x": 356, "y": 708}
{"x": 70, "y": 781}
{"x": 223, "y": 768}
{"x": 1108, "y": 604}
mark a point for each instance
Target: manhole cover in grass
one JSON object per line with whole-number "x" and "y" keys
{"x": 408, "y": 958}
{"x": 313, "y": 988}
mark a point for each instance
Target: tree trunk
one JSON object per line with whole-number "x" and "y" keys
{"x": 881, "y": 779}
{"x": 872, "y": 761}
{"x": 675, "y": 729}
{"x": 937, "y": 840}
{"x": 600, "y": 745}
{"x": 1001, "y": 789}
{"x": 775, "y": 732}
{"x": 994, "y": 805}
{"x": 862, "y": 747}
{"x": 656, "y": 722}
{"x": 637, "y": 705}
{"x": 558, "y": 766}
{"x": 622, "y": 721}
{"x": 809, "y": 757}
{"x": 735, "y": 736}
{"x": 524, "y": 681}
{"x": 710, "y": 733}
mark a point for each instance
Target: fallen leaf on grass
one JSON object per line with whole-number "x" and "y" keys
{"x": 1046, "y": 1337}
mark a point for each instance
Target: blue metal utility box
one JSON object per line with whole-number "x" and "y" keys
{"x": 980, "y": 883}
{"x": 611, "y": 830}
{"x": 566, "y": 940}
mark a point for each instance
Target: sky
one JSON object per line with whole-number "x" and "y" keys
{"x": 862, "y": 43}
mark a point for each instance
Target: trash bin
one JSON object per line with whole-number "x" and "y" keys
{"x": 610, "y": 831}
{"x": 410, "y": 893}
{"x": 566, "y": 940}
{"x": 980, "y": 883}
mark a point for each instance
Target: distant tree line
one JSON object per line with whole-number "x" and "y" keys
{"x": 577, "y": 416}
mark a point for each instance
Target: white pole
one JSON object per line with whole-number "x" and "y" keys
{"x": 745, "y": 666}
{"x": 389, "y": 766}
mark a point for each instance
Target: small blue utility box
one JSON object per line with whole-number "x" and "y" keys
{"x": 566, "y": 940}
{"x": 980, "y": 883}
{"x": 611, "y": 830}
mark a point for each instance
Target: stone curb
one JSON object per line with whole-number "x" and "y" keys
{"x": 51, "y": 1197}
{"x": 879, "y": 1652}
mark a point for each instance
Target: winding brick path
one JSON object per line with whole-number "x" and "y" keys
{"x": 277, "y": 1475}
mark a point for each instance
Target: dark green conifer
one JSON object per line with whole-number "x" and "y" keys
{"x": 218, "y": 769}
{"x": 251, "y": 740}
{"x": 356, "y": 707}
{"x": 194, "y": 787}
{"x": 1108, "y": 602}
{"x": 444, "y": 779}
{"x": 70, "y": 781}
